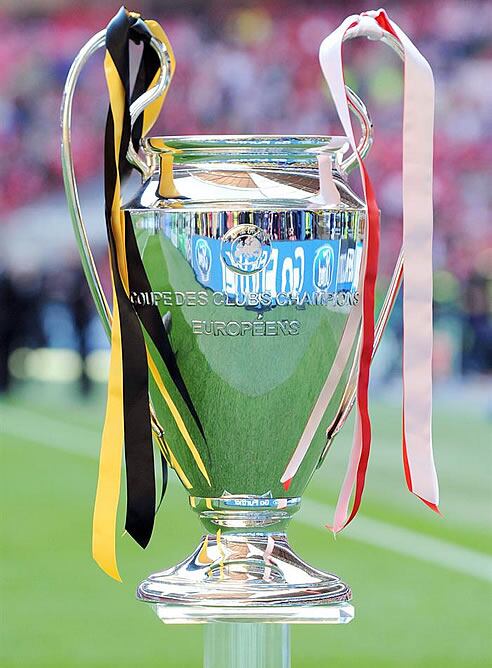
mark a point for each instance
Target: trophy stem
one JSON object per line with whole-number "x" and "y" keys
{"x": 243, "y": 645}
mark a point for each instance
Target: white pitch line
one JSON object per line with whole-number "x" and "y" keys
{"x": 403, "y": 541}
{"x": 77, "y": 440}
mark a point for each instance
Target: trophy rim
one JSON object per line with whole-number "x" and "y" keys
{"x": 261, "y": 142}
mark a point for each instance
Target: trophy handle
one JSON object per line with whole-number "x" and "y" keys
{"x": 71, "y": 189}
{"x": 360, "y": 111}
{"x": 367, "y": 27}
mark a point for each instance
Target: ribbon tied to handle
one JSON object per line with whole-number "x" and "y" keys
{"x": 418, "y": 121}
{"x": 134, "y": 328}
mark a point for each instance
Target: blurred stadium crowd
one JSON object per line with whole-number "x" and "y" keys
{"x": 247, "y": 67}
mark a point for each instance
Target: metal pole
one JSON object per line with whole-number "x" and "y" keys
{"x": 245, "y": 645}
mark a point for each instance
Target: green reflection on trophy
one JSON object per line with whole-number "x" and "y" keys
{"x": 254, "y": 281}
{"x": 253, "y": 348}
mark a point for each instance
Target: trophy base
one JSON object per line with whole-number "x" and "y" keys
{"x": 246, "y": 578}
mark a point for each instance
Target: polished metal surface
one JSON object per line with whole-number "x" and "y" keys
{"x": 243, "y": 173}
{"x": 253, "y": 339}
{"x": 246, "y": 575}
{"x": 243, "y": 187}
{"x": 244, "y": 513}
{"x": 71, "y": 190}
{"x": 367, "y": 132}
{"x": 299, "y": 142}
{"x": 233, "y": 572}
{"x": 254, "y": 273}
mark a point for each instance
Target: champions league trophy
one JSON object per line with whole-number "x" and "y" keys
{"x": 241, "y": 274}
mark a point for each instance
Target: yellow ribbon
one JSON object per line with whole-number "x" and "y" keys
{"x": 109, "y": 477}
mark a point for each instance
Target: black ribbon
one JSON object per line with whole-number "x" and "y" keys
{"x": 139, "y": 458}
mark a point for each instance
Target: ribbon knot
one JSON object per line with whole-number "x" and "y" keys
{"x": 367, "y": 26}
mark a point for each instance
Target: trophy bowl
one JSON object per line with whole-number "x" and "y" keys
{"x": 254, "y": 278}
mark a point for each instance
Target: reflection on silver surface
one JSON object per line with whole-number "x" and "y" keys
{"x": 282, "y": 190}
{"x": 284, "y": 171}
{"x": 246, "y": 574}
{"x": 206, "y": 196}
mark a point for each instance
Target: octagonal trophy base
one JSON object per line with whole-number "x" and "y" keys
{"x": 246, "y": 577}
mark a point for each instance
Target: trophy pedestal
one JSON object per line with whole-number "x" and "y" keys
{"x": 246, "y": 577}
{"x": 246, "y": 646}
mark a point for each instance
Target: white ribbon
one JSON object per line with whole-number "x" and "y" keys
{"x": 417, "y": 245}
{"x": 418, "y": 117}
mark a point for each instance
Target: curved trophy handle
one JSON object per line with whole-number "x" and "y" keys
{"x": 360, "y": 111}
{"x": 71, "y": 190}
{"x": 69, "y": 179}
{"x": 370, "y": 29}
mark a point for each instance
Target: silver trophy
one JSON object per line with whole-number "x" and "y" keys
{"x": 252, "y": 247}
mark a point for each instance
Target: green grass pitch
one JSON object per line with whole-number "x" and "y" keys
{"x": 422, "y": 584}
